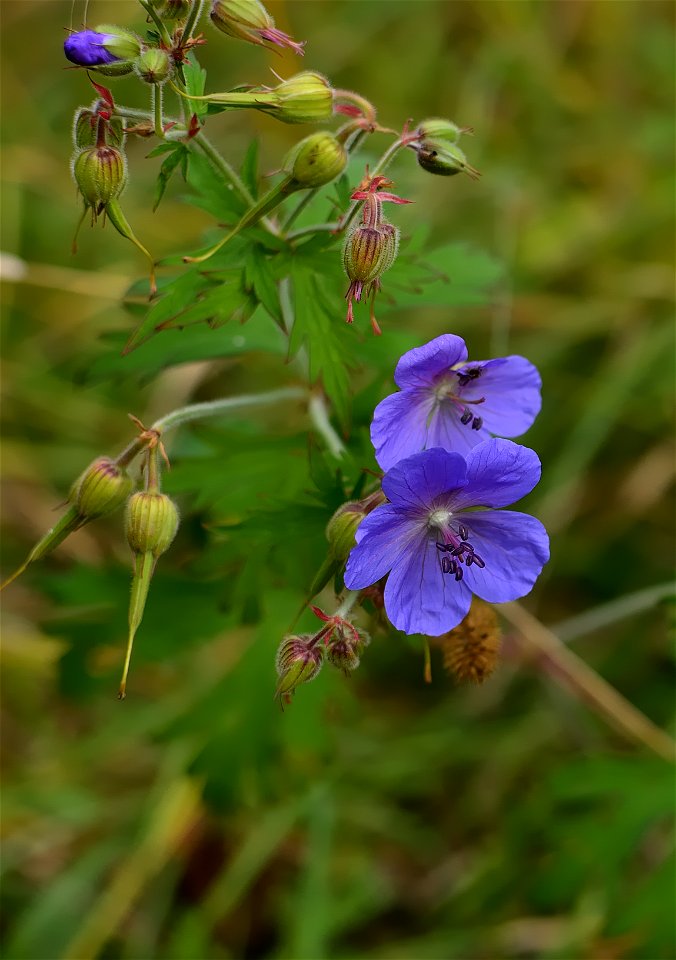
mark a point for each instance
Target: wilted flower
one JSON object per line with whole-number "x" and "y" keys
{"x": 447, "y": 401}
{"x": 438, "y": 549}
{"x": 299, "y": 660}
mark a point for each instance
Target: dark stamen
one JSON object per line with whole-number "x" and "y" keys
{"x": 466, "y": 376}
{"x": 446, "y": 565}
{"x": 463, "y": 531}
{"x": 466, "y": 416}
{"x": 477, "y": 423}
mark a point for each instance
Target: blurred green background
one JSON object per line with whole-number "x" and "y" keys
{"x": 378, "y": 816}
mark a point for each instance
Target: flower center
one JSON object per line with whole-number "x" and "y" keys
{"x": 456, "y": 550}
{"x": 451, "y": 389}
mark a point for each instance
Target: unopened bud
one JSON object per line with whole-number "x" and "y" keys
{"x": 120, "y": 43}
{"x": 369, "y": 251}
{"x": 100, "y": 173}
{"x": 298, "y": 661}
{"x": 342, "y": 527}
{"x": 346, "y": 649}
{"x": 444, "y": 159}
{"x": 437, "y": 128}
{"x": 102, "y": 488}
{"x": 306, "y": 97}
{"x": 249, "y": 20}
{"x": 151, "y": 522}
{"x": 316, "y": 160}
{"x": 153, "y": 65}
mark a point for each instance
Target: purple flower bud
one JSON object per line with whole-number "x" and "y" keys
{"x": 86, "y": 49}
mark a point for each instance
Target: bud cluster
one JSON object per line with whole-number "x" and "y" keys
{"x": 300, "y": 657}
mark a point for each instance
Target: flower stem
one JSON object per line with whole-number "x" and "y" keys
{"x": 222, "y": 166}
{"x": 213, "y": 408}
{"x": 193, "y": 17}
{"x": 158, "y": 23}
{"x": 608, "y": 613}
{"x": 349, "y": 601}
{"x": 157, "y": 111}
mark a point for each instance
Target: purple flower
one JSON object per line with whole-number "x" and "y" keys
{"x": 447, "y": 402}
{"x": 86, "y": 48}
{"x": 437, "y": 548}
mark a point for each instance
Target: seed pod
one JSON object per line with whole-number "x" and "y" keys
{"x": 346, "y": 649}
{"x": 342, "y": 527}
{"x": 369, "y": 251}
{"x": 151, "y": 522}
{"x": 100, "y": 173}
{"x": 153, "y": 65}
{"x": 102, "y": 488}
{"x": 316, "y": 160}
{"x": 306, "y": 97}
{"x": 444, "y": 159}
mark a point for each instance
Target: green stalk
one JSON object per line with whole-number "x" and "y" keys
{"x": 267, "y": 203}
{"x": 144, "y": 566}
{"x": 69, "y": 522}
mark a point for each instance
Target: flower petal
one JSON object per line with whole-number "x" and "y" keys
{"x": 499, "y": 472}
{"x": 445, "y": 430}
{"x": 511, "y": 388}
{"x": 399, "y": 427}
{"x": 417, "y": 482}
{"x": 514, "y": 546}
{"x": 382, "y": 536}
{"x": 420, "y": 366}
{"x": 419, "y": 598}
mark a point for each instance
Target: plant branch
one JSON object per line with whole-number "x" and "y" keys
{"x": 539, "y": 641}
{"x": 320, "y": 420}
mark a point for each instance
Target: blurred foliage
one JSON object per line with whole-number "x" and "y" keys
{"x": 378, "y": 816}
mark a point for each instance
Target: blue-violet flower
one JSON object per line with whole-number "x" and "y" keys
{"x": 446, "y": 401}
{"x": 87, "y": 48}
{"x": 437, "y": 548}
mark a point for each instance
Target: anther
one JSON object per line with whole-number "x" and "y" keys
{"x": 463, "y": 531}
{"x": 477, "y": 423}
{"x": 446, "y": 565}
{"x": 466, "y": 416}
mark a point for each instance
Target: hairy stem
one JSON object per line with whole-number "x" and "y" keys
{"x": 320, "y": 420}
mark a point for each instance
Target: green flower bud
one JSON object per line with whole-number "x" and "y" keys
{"x": 100, "y": 174}
{"x": 369, "y": 251}
{"x": 342, "y": 527}
{"x": 153, "y": 65}
{"x": 437, "y": 128}
{"x": 119, "y": 42}
{"x": 151, "y": 522}
{"x": 444, "y": 159}
{"x": 120, "y": 68}
{"x": 316, "y": 160}
{"x": 102, "y": 488}
{"x": 305, "y": 98}
{"x": 298, "y": 660}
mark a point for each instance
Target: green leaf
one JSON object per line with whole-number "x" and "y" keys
{"x": 249, "y": 171}
{"x": 195, "y": 80}
{"x": 327, "y": 341}
{"x": 260, "y": 278}
{"x": 210, "y": 192}
{"x": 178, "y": 156}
